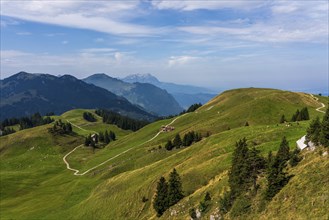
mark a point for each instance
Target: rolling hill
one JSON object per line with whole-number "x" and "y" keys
{"x": 24, "y": 94}
{"x": 35, "y": 180}
{"x": 150, "y": 97}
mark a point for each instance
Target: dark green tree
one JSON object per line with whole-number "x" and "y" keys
{"x": 107, "y": 138}
{"x": 276, "y": 176}
{"x": 192, "y": 213}
{"x": 88, "y": 140}
{"x": 282, "y": 119}
{"x": 101, "y": 136}
{"x": 246, "y": 124}
{"x": 169, "y": 146}
{"x": 313, "y": 131}
{"x": 304, "y": 114}
{"x": 112, "y": 136}
{"x": 283, "y": 153}
{"x": 175, "y": 190}
{"x": 239, "y": 172}
{"x": 324, "y": 134}
{"x": 177, "y": 142}
{"x": 256, "y": 165}
{"x": 160, "y": 202}
{"x": 294, "y": 158}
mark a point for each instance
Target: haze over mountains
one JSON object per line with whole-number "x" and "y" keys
{"x": 185, "y": 95}
{"x": 24, "y": 94}
{"x": 150, "y": 97}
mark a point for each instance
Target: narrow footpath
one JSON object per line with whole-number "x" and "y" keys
{"x": 76, "y": 172}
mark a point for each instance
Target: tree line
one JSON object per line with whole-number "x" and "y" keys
{"x": 122, "y": 122}
{"x": 192, "y": 108}
{"x": 318, "y": 131}
{"x": 300, "y": 115}
{"x": 103, "y": 137}
{"x": 188, "y": 139}
{"x": 61, "y": 128}
{"x": 247, "y": 166}
{"x": 24, "y": 122}
{"x": 168, "y": 193}
{"x": 89, "y": 117}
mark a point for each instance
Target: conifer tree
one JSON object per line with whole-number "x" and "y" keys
{"x": 239, "y": 173}
{"x": 256, "y": 165}
{"x": 294, "y": 158}
{"x": 304, "y": 114}
{"x": 169, "y": 146}
{"x": 177, "y": 142}
{"x": 324, "y": 134}
{"x": 175, "y": 190}
{"x": 112, "y": 136}
{"x": 88, "y": 140}
{"x": 160, "y": 202}
{"x": 101, "y": 137}
{"x": 283, "y": 153}
{"x": 313, "y": 132}
{"x": 282, "y": 119}
{"x": 107, "y": 138}
{"x": 276, "y": 177}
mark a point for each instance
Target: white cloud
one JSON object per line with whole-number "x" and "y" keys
{"x": 98, "y": 50}
{"x": 188, "y": 5}
{"x": 291, "y": 21}
{"x": 101, "y": 16}
{"x": 180, "y": 60}
{"x": 65, "y": 42}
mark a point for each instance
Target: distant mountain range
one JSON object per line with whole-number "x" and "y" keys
{"x": 185, "y": 95}
{"x": 150, "y": 97}
{"x": 24, "y": 94}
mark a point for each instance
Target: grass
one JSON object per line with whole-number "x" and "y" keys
{"x": 35, "y": 181}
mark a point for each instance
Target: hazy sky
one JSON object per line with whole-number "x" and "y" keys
{"x": 220, "y": 44}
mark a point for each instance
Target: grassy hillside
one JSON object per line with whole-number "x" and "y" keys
{"x": 35, "y": 181}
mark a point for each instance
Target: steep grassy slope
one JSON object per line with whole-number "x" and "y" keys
{"x": 114, "y": 191}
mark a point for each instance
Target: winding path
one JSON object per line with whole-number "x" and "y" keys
{"x": 77, "y": 126}
{"x": 322, "y": 104}
{"x": 76, "y": 172}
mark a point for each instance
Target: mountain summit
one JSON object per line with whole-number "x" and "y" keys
{"x": 24, "y": 94}
{"x": 149, "y": 96}
{"x": 142, "y": 78}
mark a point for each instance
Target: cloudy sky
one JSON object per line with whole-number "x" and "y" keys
{"x": 218, "y": 44}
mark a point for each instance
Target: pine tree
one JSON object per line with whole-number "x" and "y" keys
{"x": 283, "y": 152}
{"x": 256, "y": 165}
{"x": 282, "y": 119}
{"x": 324, "y": 134}
{"x": 101, "y": 136}
{"x": 294, "y": 158}
{"x": 246, "y": 124}
{"x": 169, "y": 146}
{"x": 304, "y": 114}
{"x": 160, "y": 202}
{"x": 107, "y": 138}
{"x": 313, "y": 132}
{"x": 112, "y": 136}
{"x": 239, "y": 173}
{"x": 177, "y": 142}
{"x": 276, "y": 177}
{"x": 88, "y": 140}
{"x": 175, "y": 190}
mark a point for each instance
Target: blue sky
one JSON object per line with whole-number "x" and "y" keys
{"x": 219, "y": 44}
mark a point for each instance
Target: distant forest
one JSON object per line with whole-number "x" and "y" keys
{"x": 122, "y": 122}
